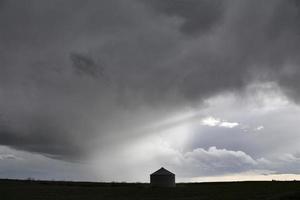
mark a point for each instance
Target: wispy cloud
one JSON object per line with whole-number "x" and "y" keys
{"x": 8, "y": 157}
{"x": 211, "y": 121}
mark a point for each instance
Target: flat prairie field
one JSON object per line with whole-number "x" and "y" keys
{"x": 56, "y": 190}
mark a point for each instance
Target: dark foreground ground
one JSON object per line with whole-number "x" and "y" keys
{"x": 44, "y": 190}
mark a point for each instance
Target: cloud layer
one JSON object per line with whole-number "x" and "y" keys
{"x": 78, "y": 76}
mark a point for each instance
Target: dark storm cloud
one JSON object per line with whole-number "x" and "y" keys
{"x": 198, "y": 16}
{"x": 50, "y": 104}
{"x": 86, "y": 65}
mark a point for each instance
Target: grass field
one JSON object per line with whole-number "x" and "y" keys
{"x": 44, "y": 190}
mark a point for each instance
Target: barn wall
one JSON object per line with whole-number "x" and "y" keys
{"x": 162, "y": 180}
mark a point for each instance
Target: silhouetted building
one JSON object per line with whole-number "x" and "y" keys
{"x": 162, "y": 178}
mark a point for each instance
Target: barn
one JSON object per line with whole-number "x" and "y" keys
{"x": 162, "y": 178}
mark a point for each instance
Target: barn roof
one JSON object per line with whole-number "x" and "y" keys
{"x": 162, "y": 171}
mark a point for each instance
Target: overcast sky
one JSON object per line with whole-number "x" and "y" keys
{"x": 113, "y": 90}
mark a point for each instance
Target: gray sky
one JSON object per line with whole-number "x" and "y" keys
{"x": 111, "y": 90}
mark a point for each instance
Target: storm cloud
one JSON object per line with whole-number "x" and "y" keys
{"x": 197, "y": 16}
{"x": 79, "y": 75}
